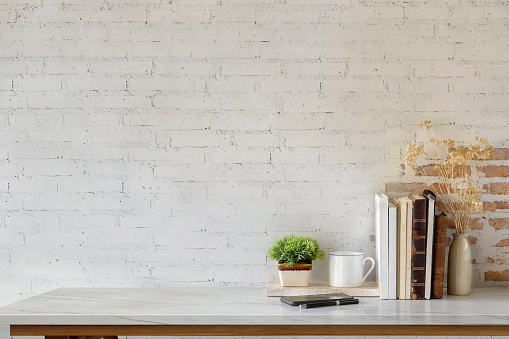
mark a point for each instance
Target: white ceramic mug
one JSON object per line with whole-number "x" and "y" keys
{"x": 345, "y": 268}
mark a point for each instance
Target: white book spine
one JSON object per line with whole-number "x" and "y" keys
{"x": 381, "y": 229}
{"x": 393, "y": 247}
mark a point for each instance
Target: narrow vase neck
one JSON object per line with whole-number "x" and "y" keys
{"x": 460, "y": 236}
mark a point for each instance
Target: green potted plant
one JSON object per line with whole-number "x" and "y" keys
{"x": 295, "y": 254}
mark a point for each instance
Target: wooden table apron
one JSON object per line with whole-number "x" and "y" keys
{"x": 91, "y": 331}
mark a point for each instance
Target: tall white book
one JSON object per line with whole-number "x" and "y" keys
{"x": 393, "y": 247}
{"x": 382, "y": 242}
{"x": 408, "y": 270}
{"x": 401, "y": 251}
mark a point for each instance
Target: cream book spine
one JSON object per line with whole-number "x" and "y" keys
{"x": 408, "y": 254}
{"x": 429, "y": 244}
{"x": 402, "y": 249}
{"x": 392, "y": 248}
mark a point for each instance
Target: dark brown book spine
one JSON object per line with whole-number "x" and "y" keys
{"x": 439, "y": 242}
{"x": 418, "y": 259}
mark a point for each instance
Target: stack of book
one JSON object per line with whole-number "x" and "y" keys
{"x": 410, "y": 247}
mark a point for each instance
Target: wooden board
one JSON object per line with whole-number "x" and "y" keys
{"x": 368, "y": 289}
{"x": 261, "y": 330}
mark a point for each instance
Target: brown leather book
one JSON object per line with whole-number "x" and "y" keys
{"x": 418, "y": 257}
{"x": 439, "y": 243}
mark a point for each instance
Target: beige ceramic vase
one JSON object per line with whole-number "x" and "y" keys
{"x": 459, "y": 271}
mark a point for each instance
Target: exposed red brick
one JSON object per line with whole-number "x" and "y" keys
{"x": 503, "y": 243}
{"x": 450, "y": 224}
{"x": 476, "y": 224}
{"x": 496, "y": 276}
{"x": 440, "y": 206}
{"x": 489, "y": 206}
{"x": 401, "y": 187}
{"x": 490, "y": 260}
{"x": 495, "y": 171}
{"x": 473, "y": 261}
{"x": 437, "y": 188}
{"x": 449, "y": 241}
{"x": 472, "y": 240}
{"x": 496, "y": 188}
{"x": 429, "y": 170}
{"x": 500, "y": 154}
{"x": 499, "y": 223}
{"x": 492, "y": 206}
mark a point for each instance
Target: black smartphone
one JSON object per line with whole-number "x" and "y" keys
{"x": 315, "y": 298}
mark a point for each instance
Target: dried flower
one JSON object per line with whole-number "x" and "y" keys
{"x": 426, "y": 124}
{"x": 457, "y": 172}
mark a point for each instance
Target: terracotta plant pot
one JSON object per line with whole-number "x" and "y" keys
{"x": 296, "y": 275}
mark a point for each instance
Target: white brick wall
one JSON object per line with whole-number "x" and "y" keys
{"x": 155, "y": 142}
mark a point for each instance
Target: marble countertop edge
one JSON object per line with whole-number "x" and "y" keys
{"x": 300, "y": 319}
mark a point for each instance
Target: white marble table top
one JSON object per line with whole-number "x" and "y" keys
{"x": 244, "y": 306}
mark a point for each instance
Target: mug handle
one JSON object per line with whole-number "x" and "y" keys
{"x": 371, "y": 269}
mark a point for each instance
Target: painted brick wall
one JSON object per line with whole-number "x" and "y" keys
{"x": 159, "y": 143}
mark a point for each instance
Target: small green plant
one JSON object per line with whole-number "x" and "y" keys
{"x": 293, "y": 249}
